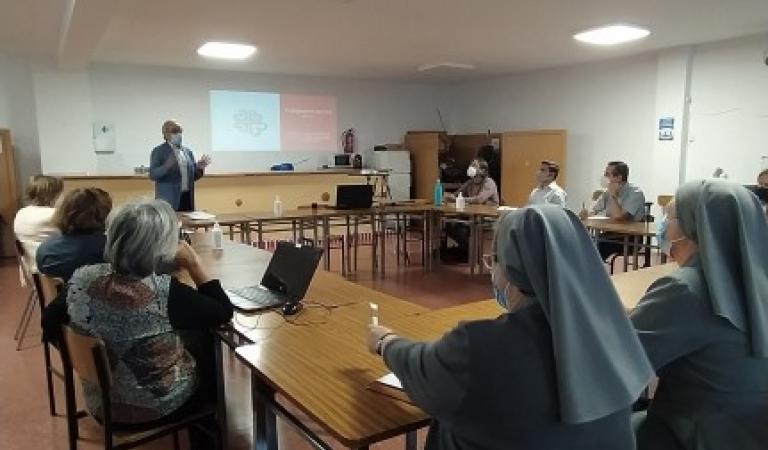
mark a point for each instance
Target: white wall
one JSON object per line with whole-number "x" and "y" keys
{"x": 729, "y": 109}
{"x": 607, "y": 108}
{"x": 17, "y": 112}
{"x": 138, "y": 99}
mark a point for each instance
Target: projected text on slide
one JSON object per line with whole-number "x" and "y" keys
{"x": 266, "y": 121}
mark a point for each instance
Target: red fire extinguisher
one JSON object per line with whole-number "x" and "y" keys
{"x": 348, "y": 141}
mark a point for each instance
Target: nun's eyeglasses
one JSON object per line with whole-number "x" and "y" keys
{"x": 489, "y": 260}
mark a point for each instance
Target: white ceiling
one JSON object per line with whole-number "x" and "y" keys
{"x": 362, "y": 38}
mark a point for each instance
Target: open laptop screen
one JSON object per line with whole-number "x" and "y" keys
{"x": 291, "y": 269}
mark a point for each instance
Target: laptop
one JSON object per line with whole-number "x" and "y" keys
{"x": 354, "y": 196}
{"x": 286, "y": 280}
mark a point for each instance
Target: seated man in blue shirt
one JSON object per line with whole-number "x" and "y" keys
{"x": 621, "y": 201}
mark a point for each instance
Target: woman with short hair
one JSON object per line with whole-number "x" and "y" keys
{"x": 705, "y": 326}
{"x": 81, "y": 218}
{"x": 559, "y": 369}
{"x": 156, "y": 329}
{"x": 32, "y": 224}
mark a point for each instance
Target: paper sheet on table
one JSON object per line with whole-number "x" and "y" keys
{"x": 199, "y": 215}
{"x": 390, "y": 386}
{"x": 390, "y": 380}
{"x": 598, "y": 218}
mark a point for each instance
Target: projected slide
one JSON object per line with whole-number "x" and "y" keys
{"x": 267, "y": 121}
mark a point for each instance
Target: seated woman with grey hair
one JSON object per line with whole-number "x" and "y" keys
{"x": 559, "y": 369}
{"x": 155, "y": 329}
{"x": 705, "y": 326}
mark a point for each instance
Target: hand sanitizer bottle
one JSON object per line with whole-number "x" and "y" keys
{"x": 461, "y": 201}
{"x": 218, "y": 236}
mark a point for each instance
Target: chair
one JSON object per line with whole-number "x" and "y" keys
{"x": 87, "y": 356}
{"x": 32, "y": 300}
{"x": 663, "y": 200}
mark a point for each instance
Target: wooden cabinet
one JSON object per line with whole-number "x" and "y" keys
{"x": 424, "y": 148}
{"x": 522, "y": 153}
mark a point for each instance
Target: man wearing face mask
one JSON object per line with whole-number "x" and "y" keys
{"x": 174, "y": 170}
{"x": 621, "y": 201}
{"x": 480, "y": 189}
{"x": 547, "y": 191}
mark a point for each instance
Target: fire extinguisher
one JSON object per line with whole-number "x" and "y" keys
{"x": 348, "y": 141}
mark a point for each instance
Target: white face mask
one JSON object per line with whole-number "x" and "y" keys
{"x": 472, "y": 171}
{"x": 604, "y": 182}
{"x": 175, "y": 139}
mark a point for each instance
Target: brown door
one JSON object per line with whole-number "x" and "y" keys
{"x": 522, "y": 153}
{"x": 8, "y": 195}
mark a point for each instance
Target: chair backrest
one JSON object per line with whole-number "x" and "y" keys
{"x": 48, "y": 287}
{"x": 87, "y": 356}
{"x": 648, "y": 216}
{"x": 663, "y": 200}
{"x": 21, "y": 258}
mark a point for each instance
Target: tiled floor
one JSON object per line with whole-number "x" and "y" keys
{"x": 24, "y": 419}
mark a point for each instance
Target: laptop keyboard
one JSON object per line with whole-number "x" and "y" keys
{"x": 254, "y": 297}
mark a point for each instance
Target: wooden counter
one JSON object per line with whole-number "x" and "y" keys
{"x": 231, "y": 192}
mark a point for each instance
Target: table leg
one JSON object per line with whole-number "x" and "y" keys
{"x": 327, "y": 243}
{"x": 426, "y": 240}
{"x": 260, "y": 233}
{"x": 635, "y": 251}
{"x": 626, "y": 253}
{"x": 472, "y": 244}
{"x": 374, "y": 246}
{"x": 648, "y": 249}
{"x": 264, "y": 419}
{"x": 293, "y": 228}
{"x": 221, "y": 399}
{"x": 383, "y": 225}
{"x": 348, "y": 244}
{"x": 411, "y": 440}
{"x": 357, "y": 238}
{"x": 397, "y": 233}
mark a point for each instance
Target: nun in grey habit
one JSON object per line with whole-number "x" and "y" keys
{"x": 559, "y": 370}
{"x": 705, "y": 326}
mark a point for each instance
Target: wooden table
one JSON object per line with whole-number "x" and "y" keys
{"x": 430, "y": 325}
{"x": 319, "y": 360}
{"x": 640, "y": 234}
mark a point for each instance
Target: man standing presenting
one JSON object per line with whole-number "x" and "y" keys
{"x": 547, "y": 191}
{"x": 173, "y": 169}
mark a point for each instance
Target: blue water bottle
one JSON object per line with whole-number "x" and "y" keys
{"x": 438, "y": 198}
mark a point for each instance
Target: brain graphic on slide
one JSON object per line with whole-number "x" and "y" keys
{"x": 250, "y": 121}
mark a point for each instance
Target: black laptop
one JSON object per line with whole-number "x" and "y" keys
{"x": 354, "y": 196}
{"x": 286, "y": 280}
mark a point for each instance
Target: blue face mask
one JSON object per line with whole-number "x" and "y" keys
{"x": 175, "y": 140}
{"x": 661, "y": 235}
{"x": 501, "y": 297}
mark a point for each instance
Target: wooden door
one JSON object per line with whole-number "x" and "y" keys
{"x": 522, "y": 153}
{"x": 8, "y": 194}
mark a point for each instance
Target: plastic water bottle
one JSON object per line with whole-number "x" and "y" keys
{"x": 438, "y": 200}
{"x": 218, "y": 236}
{"x": 277, "y": 208}
{"x": 461, "y": 201}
